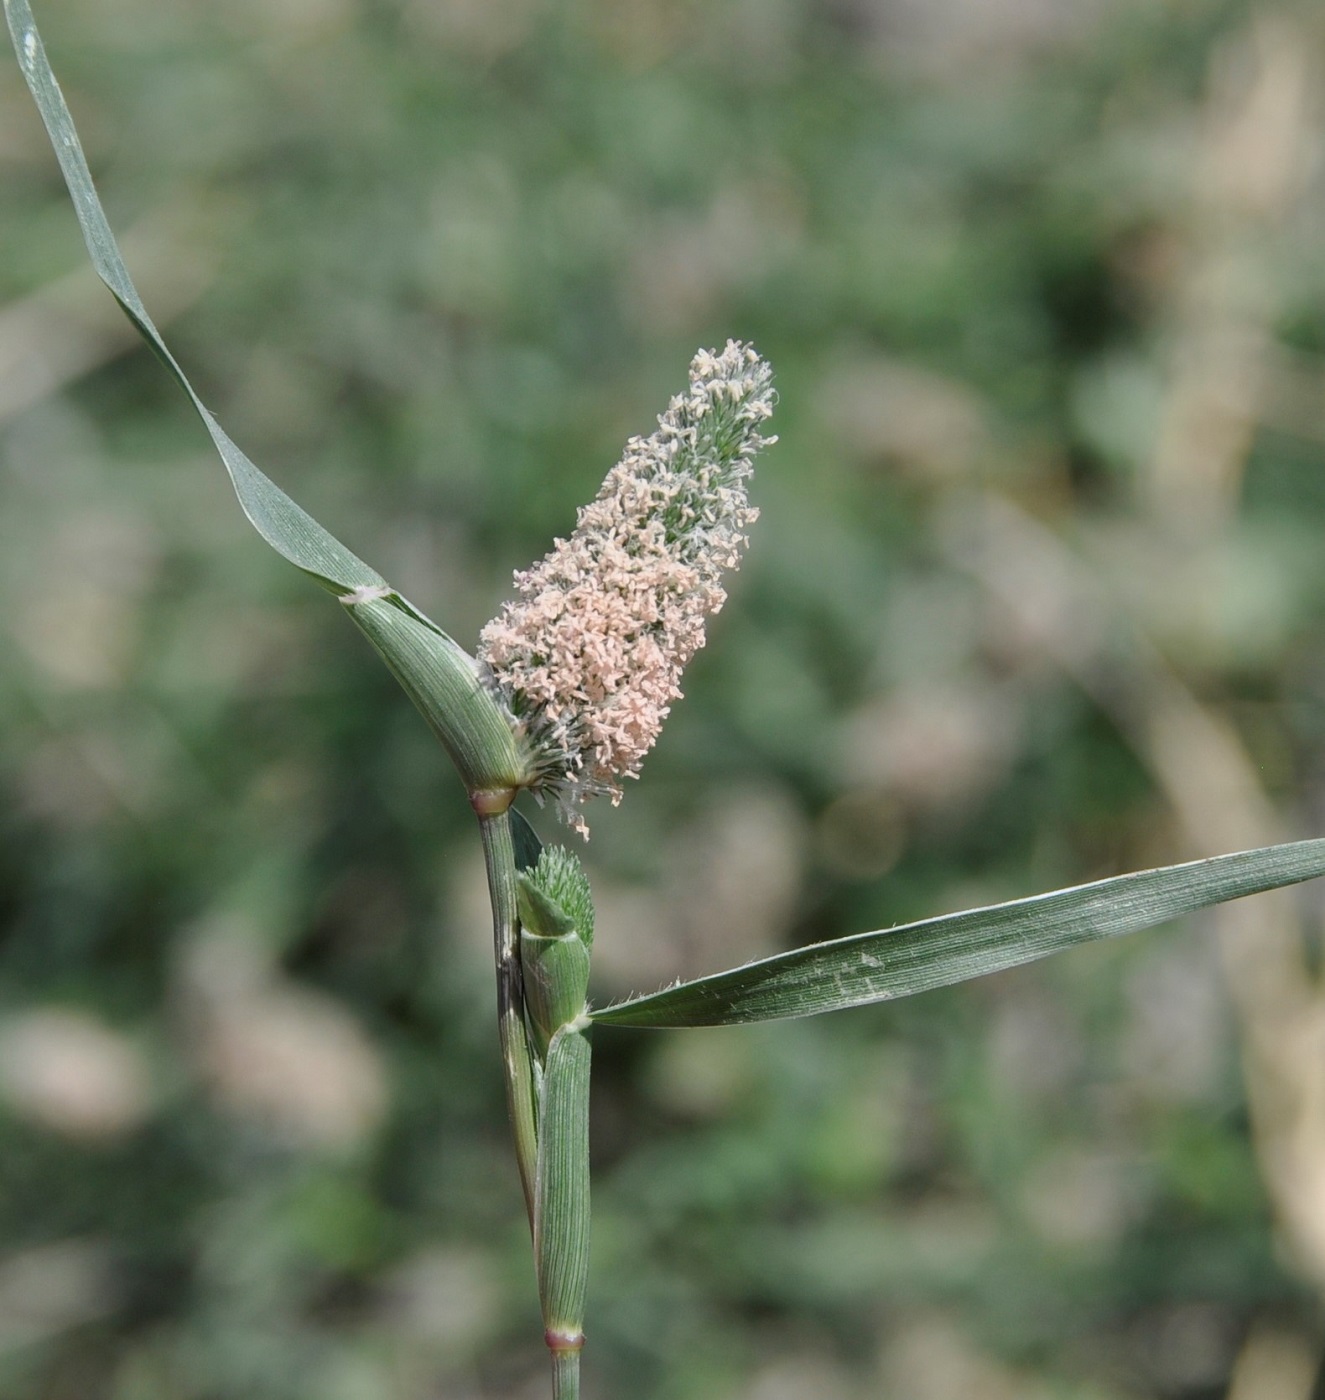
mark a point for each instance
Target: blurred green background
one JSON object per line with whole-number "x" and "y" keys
{"x": 1037, "y": 596}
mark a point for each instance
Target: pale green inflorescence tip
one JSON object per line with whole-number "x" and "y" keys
{"x": 560, "y": 879}
{"x": 556, "y": 917}
{"x": 588, "y": 655}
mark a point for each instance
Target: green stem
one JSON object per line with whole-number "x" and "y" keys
{"x": 565, "y": 1375}
{"x": 499, "y": 855}
{"x": 561, "y": 1224}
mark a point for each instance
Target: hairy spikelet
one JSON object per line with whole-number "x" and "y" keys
{"x": 561, "y": 878}
{"x": 588, "y": 655}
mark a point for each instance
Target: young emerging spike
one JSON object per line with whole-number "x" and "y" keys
{"x": 560, "y": 878}
{"x": 589, "y": 655}
{"x": 556, "y": 934}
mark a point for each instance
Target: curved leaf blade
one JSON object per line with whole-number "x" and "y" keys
{"x": 287, "y": 527}
{"x": 898, "y": 962}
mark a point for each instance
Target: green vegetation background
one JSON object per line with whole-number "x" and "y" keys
{"x": 1037, "y": 596}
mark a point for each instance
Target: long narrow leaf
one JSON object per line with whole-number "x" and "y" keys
{"x": 436, "y": 673}
{"x": 899, "y": 962}
{"x": 289, "y": 529}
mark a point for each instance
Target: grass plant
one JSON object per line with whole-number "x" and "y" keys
{"x": 563, "y": 695}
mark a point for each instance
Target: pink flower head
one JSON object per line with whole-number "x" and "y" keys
{"x": 589, "y": 653}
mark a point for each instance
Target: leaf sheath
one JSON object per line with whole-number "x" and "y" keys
{"x": 561, "y": 1220}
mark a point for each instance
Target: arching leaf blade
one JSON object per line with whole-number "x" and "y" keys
{"x": 287, "y": 527}
{"x": 891, "y": 963}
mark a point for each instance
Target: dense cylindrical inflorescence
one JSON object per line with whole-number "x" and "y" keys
{"x": 588, "y": 655}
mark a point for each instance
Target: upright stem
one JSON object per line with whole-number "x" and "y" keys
{"x": 550, "y": 1118}
{"x": 565, "y": 1375}
{"x": 499, "y": 855}
{"x": 561, "y": 1229}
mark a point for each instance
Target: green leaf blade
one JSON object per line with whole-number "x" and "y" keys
{"x": 287, "y": 527}
{"x": 892, "y": 963}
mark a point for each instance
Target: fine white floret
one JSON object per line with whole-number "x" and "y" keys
{"x": 589, "y": 653}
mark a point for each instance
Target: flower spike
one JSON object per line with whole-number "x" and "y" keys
{"x": 588, "y": 656}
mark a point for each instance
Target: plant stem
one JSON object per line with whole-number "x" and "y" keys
{"x": 499, "y": 855}
{"x": 565, "y": 1375}
{"x": 561, "y": 1228}
{"x": 549, "y": 1110}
